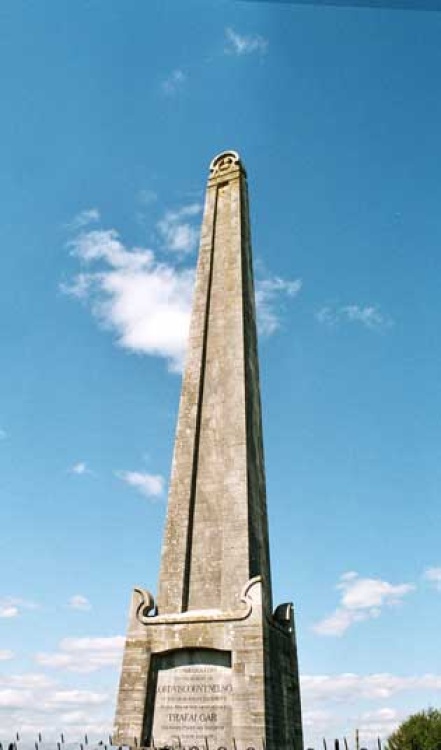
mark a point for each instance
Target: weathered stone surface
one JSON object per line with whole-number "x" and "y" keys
{"x": 213, "y": 664}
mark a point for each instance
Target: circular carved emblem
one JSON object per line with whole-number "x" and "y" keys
{"x": 223, "y": 163}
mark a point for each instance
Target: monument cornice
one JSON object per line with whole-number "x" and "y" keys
{"x": 147, "y": 605}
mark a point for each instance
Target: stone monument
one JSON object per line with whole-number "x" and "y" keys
{"x": 210, "y": 665}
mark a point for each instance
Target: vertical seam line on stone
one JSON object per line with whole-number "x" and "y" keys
{"x": 252, "y": 541}
{"x": 194, "y": 472}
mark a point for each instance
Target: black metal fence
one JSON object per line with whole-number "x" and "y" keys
{"x": 17, "y": 743}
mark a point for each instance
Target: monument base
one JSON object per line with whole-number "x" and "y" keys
{"x": 215, "y": 680}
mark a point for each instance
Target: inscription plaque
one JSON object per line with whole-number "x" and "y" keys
{"x": 192, "y": 699}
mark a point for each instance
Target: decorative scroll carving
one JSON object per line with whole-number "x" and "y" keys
{"x": 146, "y": 608}
{"x": 283, "y": 616}
{"x": 224, "y": 163}
{"x": 147, "y": 605}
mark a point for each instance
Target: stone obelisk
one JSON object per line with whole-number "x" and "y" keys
{"x": 210, "y": 665}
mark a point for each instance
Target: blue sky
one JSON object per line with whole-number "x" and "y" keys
{"x": 111, "y": 115}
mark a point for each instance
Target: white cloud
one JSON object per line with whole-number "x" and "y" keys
{"x": 361, "y": 599}
{"x": 268, "y": 294}
{"x": 21, "y": 698}
{"x": 334, "y": 704}
{"x": 6, "y": 654}
{"x": 322, "y": 722}
{"x": 176, "y": 230}
{"x": 105, "y": 245}
{"x": 11, "y": 606}
{"x": 3, "y": 434}
{"x": 80, "y": 468}
{"x": 84, "y": 654}
{"x": 83, "y": 219}
{"x": 76, "y": 697}
{"x": 10, "y": 698}
{"x": 379, "y": 723}
{"x": 351, "y": 687}
{"x": 146, "y": 303}
{"x": 238, "y": 44}
{"x": 149, "y": 485}
{"x": 78, "y": 601}
{"x": 339, "y": 621}
{"x": 370, "y": 316}
{"x": 8, "y": 610}
{"x": 33, "y": 703}
{"x": 26, "y": 681}
{"x": 314, "y": 717}
{"x": 174, "y": 82}
{"x": 433, "y": 575}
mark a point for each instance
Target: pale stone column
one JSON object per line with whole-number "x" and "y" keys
{"x": 212, "y": 666}
{"x": 216, "y": 534}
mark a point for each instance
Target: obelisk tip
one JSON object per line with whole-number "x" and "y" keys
{"x": 225, "y": 162}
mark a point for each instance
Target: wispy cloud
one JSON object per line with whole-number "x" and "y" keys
{"x": 361, "y": 599}
{"x": 11, "y": 606}
{"x": 84, "y": 654}
{"x": 83, "y": 219}
{"x": 379, "y": 723}
{"x": 26, "y": 681}
{"x": 149, "y": 485}
{"x": 20, "y": 698}
{"x": 177, "y": 231}
{"x": 433, "y": 575}
{"x": 80, "y": 468}
{"x": 239, "y": 44}
{"x": 350, "y": 687}
{"x": 327, "y": 711}
{"x": 174, "y": 82}
{"x": 36, "y": 703}
{"x": 8, "y": 610}
{"x": 3, "y": 434}
{"x": 80, "y": 602}
{"x": 269, "y": 294}
{"x": 369, "y": 316}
